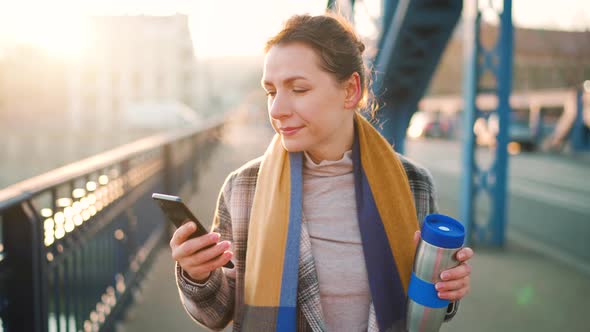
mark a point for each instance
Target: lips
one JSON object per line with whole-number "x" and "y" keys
{"x": 289, "y": 131}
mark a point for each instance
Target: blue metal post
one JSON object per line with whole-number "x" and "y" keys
{"x": 392, "y": 118}
{"x": 580, "y": 135}
{"x": 493, "y": 181}
{"x": 333, "y": 5}
{"x": 394, "y": 123}
{"x": 504, "y": 79}
{"x": 470, "y": 78}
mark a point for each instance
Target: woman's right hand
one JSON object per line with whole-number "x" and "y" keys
{"x": 197, "y": 263}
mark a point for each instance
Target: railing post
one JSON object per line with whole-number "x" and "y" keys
{"x": 26, "y": 273}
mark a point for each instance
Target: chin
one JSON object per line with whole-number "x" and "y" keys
{"x": 293, "y": 145}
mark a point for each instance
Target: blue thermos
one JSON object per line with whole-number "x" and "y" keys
{"x": 442, "y": 236}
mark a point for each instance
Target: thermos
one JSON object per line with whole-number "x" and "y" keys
{"x": 441, "y": 238}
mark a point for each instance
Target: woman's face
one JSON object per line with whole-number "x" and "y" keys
{"x": 307, "y": 106}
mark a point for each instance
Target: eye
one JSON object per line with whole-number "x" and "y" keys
{"x": 299, "y": 91}
{"x": 271, "y": 93}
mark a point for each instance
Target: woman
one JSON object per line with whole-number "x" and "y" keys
{"x": 322, "y": 229}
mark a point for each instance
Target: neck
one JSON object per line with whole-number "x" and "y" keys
{"x": 340, "y": 142}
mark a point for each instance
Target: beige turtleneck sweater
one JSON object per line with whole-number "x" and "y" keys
{"x": 329, "y": 209}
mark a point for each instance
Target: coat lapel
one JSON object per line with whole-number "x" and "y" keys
{"x": 308, "y": 293}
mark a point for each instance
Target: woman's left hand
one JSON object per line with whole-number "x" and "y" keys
{"x": 456, "y": 281}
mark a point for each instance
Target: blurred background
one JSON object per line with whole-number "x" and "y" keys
{"x": 80, "y": 77}
{"x": 81, "y": 82}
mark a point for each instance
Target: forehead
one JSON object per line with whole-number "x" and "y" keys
{"x": 293, "y": 59}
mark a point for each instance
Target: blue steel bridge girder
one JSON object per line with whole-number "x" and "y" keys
{"x": 486, "y": 184}
{"x": 333, "y": 4}
{"x": 413, "y": 39}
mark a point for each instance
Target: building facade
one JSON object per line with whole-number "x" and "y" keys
{"x": 543, "y": 59}
{"x": 133, "y": 59}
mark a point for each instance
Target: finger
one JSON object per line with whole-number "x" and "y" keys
{"x": 189, "y": 247}
{"x": 211, "y": 265}
{"x": 208, "y": 254}
{"x": 182, "y": 234}
{"x": 454, "y": 295}
{"x": 446, "y": 286}
{"x": 458, "y": 272}
{"x": 464, "y": 254}
{"x": 416, "y": 238}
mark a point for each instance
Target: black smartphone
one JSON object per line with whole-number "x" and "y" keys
{"x": 177, "y": 213}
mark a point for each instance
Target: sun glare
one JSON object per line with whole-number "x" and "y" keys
{"x": 55, "y": 30}
{"x": 59, "y": 36}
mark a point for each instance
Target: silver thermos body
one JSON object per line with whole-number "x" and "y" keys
{"x": 441, "y": 238}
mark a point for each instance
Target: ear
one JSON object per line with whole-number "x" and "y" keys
{"x": 353, "y": 91}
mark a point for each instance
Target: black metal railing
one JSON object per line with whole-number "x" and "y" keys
{"x": 74, "y": 242}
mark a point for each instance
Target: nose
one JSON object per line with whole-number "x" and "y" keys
{"x": 278, "y": 107}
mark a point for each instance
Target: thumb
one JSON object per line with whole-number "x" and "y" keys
{"x": 416, "y": 238}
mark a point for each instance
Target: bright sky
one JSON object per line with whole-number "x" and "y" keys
{"x": 228, "y": 27}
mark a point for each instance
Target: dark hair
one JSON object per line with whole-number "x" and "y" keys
{"x": 334, "y": 40}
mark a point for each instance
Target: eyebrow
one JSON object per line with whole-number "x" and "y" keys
{"x": 285, "y": 81}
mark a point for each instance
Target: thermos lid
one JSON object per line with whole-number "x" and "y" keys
{"x": 443, "y": 231}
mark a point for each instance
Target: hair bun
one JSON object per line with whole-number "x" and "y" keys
{"x": 361, "y": 46}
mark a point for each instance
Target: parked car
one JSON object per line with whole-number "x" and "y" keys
{"x": 519, "y": 132}
{"x": 429, "y": 124}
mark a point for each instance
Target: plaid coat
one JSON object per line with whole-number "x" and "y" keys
{"x": 220, "y": 299}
